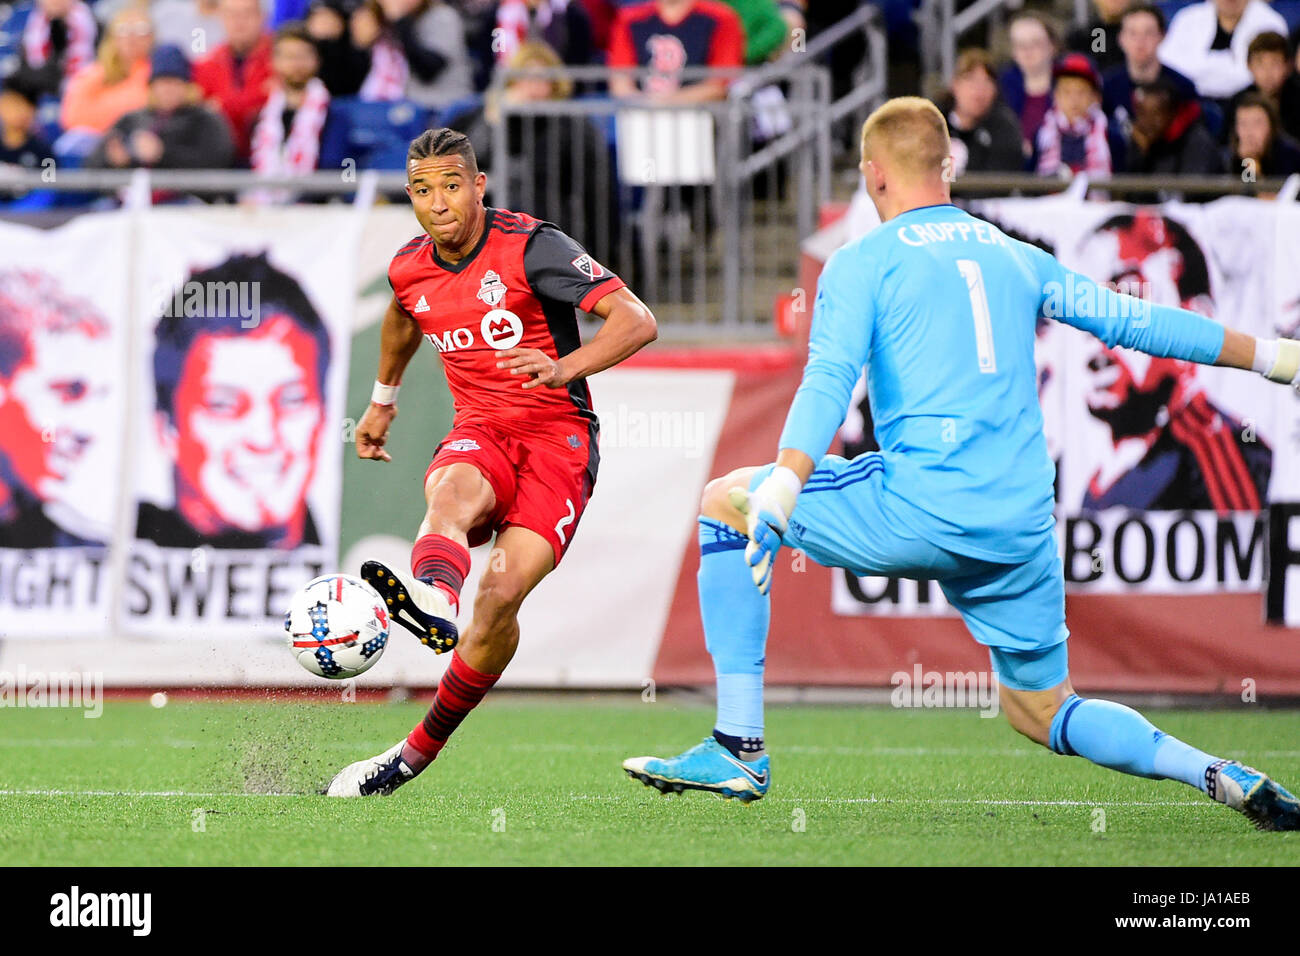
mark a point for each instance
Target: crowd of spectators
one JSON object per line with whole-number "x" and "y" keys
{"x": 283, "y": 86}
{"x": 1214, "y": 90}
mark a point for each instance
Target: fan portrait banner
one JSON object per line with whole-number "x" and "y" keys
{"x": 241, "y": 365}
{"x": 1171, "y": 477}
{"x": 63, "y": 321}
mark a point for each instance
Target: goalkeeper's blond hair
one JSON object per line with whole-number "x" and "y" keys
{"x": 909, "y": 135}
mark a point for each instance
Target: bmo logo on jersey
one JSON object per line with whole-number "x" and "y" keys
{"x": 499, "y": 329}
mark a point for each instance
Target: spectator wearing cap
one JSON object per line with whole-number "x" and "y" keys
{"x": 1141, "y": 30}
{"x": 1208, "y": 41}
{"x": 1258, "y": 145}
{"x": 1098, "y": 39}
{"x": 1167, "y": 135}
{"x": 1072, "y": 138}
{"x": 236, "y": 76}
{"x": 174, "y": 131}
{"x": 118, "y": 81}
{"x": 19, "y": 143}
{"x": 1269, "y": 59}
{"x": 985, "y": 133}
{"x": 1027, "y": 82}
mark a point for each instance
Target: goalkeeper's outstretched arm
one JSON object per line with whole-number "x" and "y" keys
{"x": 1161, "y": 330}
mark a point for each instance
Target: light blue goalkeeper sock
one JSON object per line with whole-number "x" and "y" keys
{"x": 735, "y": 619}
{"x": 1118, "y": 737}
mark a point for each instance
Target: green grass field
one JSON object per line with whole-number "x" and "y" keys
{"x": 532, "y": 780}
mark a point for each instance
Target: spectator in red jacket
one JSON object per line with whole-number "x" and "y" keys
{"x": 236, "y": 77}
{"x": 668, "y": 36}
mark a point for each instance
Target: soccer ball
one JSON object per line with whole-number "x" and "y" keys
{"x": 337, "y": 626}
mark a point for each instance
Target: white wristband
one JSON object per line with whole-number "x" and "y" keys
{"x": 384, "y": 394}
{"x": 1265, "y": 355}
{"x": 1277, "y": 359}
{"x": 786, "y": 486}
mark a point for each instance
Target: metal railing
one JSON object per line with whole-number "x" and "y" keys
{"x": 1122, "y": 185}
{"x": 942, "y": 26}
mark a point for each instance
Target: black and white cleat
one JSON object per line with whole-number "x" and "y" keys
{"x": 419, "y": 607}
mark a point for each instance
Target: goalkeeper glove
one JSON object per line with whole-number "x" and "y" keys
{"x": 767, "y": 512}
{"x": 1278, "y": 360}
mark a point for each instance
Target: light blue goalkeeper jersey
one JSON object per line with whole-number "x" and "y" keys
{"x": 941, "y": 308}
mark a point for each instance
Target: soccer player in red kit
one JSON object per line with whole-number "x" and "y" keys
{"x": 495, "y": 292}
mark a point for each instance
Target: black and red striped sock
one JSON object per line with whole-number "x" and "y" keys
{"x": 441, "y": 562}
{"x": 459, "y": 692}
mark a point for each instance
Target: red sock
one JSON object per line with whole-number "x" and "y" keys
{"x": 459, "y": 692}
{"x": 443, "y": 563}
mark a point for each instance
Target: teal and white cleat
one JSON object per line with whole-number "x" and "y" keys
{"x": 1265, "y": 803}
{"x": 706, "y": 766}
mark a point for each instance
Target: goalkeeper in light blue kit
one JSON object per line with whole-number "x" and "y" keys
{"x": 940, "y": 308}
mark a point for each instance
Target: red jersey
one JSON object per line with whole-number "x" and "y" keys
{"x": 519, "y": 286}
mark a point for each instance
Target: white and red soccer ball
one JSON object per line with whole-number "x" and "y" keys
{"x": 337, "y": 626}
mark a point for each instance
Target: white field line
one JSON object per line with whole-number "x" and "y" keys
{"x": 952, "y": 801}
{"x": 633, "y": 749}
{"x": 905, "y": 801}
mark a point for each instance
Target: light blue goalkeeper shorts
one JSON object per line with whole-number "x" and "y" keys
{"x": 1017, "y": 610}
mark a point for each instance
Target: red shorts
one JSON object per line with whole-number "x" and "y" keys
{"x": 542, "y": 482}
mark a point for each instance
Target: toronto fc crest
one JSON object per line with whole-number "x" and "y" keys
{"x": 491, "y": 289}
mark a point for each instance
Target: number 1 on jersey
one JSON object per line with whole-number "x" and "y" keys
{"x": 979, "y": 306}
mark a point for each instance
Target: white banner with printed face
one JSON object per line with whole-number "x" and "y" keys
{"x": 1165, "y": 469}
{"x": 242, "y": 336}
{"x": 63, "y": 340}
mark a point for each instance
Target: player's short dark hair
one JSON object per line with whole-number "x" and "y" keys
{"x": 442, "y": 142}
{"x": 1151, "y": 10}
{"x": 1270, "y": 41}
{"x": 278, "y": 292}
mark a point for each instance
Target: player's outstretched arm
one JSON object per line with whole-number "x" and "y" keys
{"x": 629, "y": 326}
{"x": 1164, "y": 331}
{"x": 398, "y": 341}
